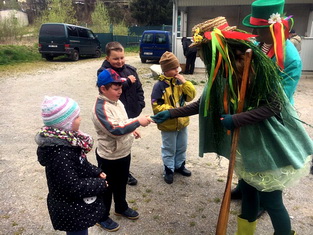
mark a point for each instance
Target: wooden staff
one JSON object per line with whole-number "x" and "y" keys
{"x": 224, "y": 211}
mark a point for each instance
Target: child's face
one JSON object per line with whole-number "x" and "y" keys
{"x": 113, "y": 93}
{"x": 172, "y": 72}
{"x": 116, "y": 59}
{"x": 76, "y": 123}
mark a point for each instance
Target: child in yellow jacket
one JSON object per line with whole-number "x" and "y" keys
{"x": 172, "y": 91}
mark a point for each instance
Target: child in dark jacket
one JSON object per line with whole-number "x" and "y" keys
{"x": 75, "y": 186}
{"x": 132, "y": 96}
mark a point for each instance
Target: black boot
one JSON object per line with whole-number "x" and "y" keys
{"x": 131, "y": 180}
{"x": 168, "y": 175}
{"x": 235, "y": 194}
{"x": 182, "y": 170}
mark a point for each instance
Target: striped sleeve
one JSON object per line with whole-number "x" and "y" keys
{"x": 109, "y": 122}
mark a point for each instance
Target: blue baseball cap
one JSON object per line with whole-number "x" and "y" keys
{"x": 108, "y": 76}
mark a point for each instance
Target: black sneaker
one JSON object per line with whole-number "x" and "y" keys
{"x": 183, "y": 171}
{"x": 129, "y": 213}
{"x": 131, "y": 180}
{"x": 168, "y": 175}
{"x": 109, "y": 225}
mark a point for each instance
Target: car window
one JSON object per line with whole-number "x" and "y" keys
{"x": 83, "y": 33}
{"x": 160, "y": 38}
{"x": 147, "y": 38}
{"x": 72, "y": 31}
{"x": 90, "y": 34}
{"x": 52, "y": 30}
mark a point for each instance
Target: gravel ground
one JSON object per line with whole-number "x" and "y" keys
{"x": 188, "y": 206}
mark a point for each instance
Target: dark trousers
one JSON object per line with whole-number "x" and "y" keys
{"x": 117, "y": 174}
{"x": 190, "y": 63}
{"x": 272, "y": 202}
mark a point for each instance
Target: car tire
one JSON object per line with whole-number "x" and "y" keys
{"x": 97, "y": 54}
{"x": 143, "y": 60}
{"x": 75, "y": 55}
{"x": 49, "y": 57}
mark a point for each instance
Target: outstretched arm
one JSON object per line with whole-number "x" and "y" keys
{"x": 188, "y": 110}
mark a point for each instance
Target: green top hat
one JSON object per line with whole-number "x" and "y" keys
{"x": 263, "y": 9}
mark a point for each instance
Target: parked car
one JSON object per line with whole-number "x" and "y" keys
{"x": 57, "y": 39}
{"x": 153, "y": 44}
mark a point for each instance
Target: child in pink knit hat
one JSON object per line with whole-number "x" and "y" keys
{"x": 75, "y": 186}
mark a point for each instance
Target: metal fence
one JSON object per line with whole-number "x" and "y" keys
{"x": 126, "y": 41}
{"x": 138, "y": 30}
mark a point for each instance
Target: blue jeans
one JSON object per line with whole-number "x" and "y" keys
{"x": 83, "y": 232}
{"x": 174, "y": 146}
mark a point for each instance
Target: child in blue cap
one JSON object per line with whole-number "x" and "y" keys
{"x": 116, "y": 133}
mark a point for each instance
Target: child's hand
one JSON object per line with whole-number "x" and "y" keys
{"x": 144, "y": 120}
{"x": 102, "y": 175}
{"x": 136, "y": 134}
{"x": 161, "y": 116}
{"x": 180, "y": 78}
{"x": 132, "y": 78}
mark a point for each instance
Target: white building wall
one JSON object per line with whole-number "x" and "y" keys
{"x": 306, "y": 53}
{"x": 20, "y": 16}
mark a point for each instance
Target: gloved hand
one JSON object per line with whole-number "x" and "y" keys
{"x": 227, "y": 121}
{"x": 161, "y": 116}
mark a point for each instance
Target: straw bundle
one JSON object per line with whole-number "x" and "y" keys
{"x": 209, "y": 25}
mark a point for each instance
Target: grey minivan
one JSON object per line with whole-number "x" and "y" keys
{"x": 57, "y": 39}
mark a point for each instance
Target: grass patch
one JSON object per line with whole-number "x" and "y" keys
{"x": 147, "y": 200}
{"x": 132, "y": 49}
{"x": 156, "y": 217}
{"x": 217, "y": 200}
{"x": 14, "y": 224}
{"x": 12, "y": 54}
{"x": 16, "y": 54}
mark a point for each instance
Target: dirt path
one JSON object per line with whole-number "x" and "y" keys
{"x": 188, "y": 206}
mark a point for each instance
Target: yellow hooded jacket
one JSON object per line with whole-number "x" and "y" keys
{"x": 169, "y": 93}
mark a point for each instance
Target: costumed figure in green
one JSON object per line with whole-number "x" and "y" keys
{"x": 273, "y": 149}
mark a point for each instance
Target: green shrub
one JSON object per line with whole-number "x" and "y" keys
{"x": 100, "y": 19}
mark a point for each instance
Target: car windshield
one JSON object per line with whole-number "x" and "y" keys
{"x": 147, "y": 38}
